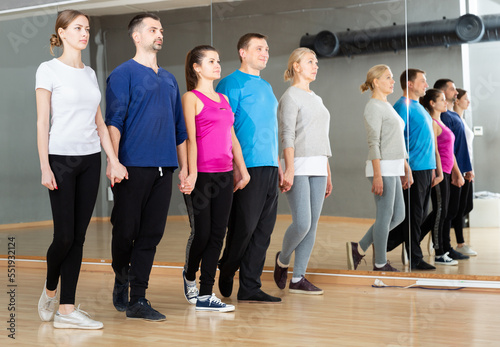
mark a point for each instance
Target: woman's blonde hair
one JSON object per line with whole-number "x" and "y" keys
{"x": 375, "y": 72}
{"x": 64, "y": 19}
{"x": 295, "y": 57}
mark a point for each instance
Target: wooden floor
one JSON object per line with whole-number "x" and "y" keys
{"x": 343, "y": 316}
{"x": 328, "y": 254}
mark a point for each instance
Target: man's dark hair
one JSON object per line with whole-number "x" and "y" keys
{"x": 442, "y": 83}
{"x": 412, "y": 74}
{"x": 245, "y": 40}
{"x": 137, "y": 22}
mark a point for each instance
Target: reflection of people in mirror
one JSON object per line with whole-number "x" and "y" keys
{"x": 425, "y": 167}
{"x": 304, "y": 124}
{"x": 68, "y": 97}
{"x": 146, "y": 124}
{"x": 466, "y": 198}
{"x": 386, "y": 168}
{"x": 434, "y": 102}
{"x": 212, "y": 146}
{"x": 461, "y": 151}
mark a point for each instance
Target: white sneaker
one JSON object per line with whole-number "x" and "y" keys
{"x": 466, "y": 250}
{"x": 445, "y": 260}
{"x": 430, "y": 246}
{"x": 77, "y": 319}
{"x": 46, "y": 305}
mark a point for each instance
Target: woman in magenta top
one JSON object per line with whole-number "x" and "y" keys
{"x": 434, "y": 102}
{"x": 213, "y": 151}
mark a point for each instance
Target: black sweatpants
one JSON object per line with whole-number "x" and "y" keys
{"x": 416, "y": 201}
{"x": 77, "y": 179}
{"x": 251, "y": 222}
{"x": 208, "y": 209}
{"x": 440, "y": 197}
{"x": 464, "y": 207}
{"x": 139, "y": 216}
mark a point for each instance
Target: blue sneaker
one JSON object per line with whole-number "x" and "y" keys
{"x": 190, "y": 292}
{"x": 212, "y": 303}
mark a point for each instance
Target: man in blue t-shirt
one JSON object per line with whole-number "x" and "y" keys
{"x": 458, "y": 190}
{"x": 254, "y": 209}
{"x": 146, "y": 124}
{"x": 423, "y": 157}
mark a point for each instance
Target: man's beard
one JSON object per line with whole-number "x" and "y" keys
{"x": 157, "y": 47}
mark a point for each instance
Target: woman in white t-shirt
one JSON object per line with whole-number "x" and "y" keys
{"x": 67, "y": 99}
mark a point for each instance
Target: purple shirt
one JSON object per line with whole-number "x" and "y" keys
{"x": 213, "y": 134}
{"x": 445, "y": 142}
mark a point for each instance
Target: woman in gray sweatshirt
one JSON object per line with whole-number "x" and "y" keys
{"x": 304, "y": 124}
{"x": 385, "y": 165}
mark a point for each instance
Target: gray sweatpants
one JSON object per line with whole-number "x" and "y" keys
{"x": 306, "y": 201}
{"x": 390, "y": 213}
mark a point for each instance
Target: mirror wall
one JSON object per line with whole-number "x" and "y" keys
{"x": 347, "y": 214}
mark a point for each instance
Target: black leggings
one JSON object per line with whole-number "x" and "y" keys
{"x": 440, "y": 197}
{"x": 77, "y": 179}
{"x": 208, "y": 208}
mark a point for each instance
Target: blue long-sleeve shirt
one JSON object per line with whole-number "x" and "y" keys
{"x": 146, "y": 108}
{"x": 452, "y": 120}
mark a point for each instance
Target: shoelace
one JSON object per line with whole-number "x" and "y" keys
{"x": 82, "y": 311}
{"x": 215, "y": 300}
{"x": 192, "y": 290}
{"x": 51, "y": 301}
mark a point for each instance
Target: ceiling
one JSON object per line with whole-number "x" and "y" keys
{"x": 104, "y": 7}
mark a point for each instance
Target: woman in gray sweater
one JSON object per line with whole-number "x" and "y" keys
{"x": 385, "y": 165}
{"x": 304, "y": 124}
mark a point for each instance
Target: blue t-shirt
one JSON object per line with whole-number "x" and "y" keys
{"x": 421, "y": 146}
{"x": 255, "y": 118}
{"x": 146, "y": 108}
{"x": 452, "y": 120}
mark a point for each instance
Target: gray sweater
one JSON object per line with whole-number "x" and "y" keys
{"x": 304, "y": 123}
{"x": 384, "y": 131}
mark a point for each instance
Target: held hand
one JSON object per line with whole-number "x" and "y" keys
{"x": 469, "y": 176}
{"x": 457, "y": 180}
{"x": 287, "y": 182}
{"x": 407, "y": 180}
{"x": 242, "y": 182}
{"x": 116, "y": 172}
{"x": 378, "y": 186}
{"x": 437, "y": 180}
{"x": 48, "y": 179}
{"x": 189, "y": 184}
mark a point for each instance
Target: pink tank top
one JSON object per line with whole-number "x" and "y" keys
{"x": 213, "y": 134}
{"x": 446, "y": 143}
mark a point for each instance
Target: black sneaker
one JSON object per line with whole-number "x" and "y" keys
{"x": 225, "y": 285}
{"x": 120, "y": 296}
{"x": 280, "y": 273}
{"x": 422, "y": 265}
{"x": 353, "y": 256}
{"x": 457, "y": 255}
{"x": 142, "y": 310}
{"x": 261, "y": 297}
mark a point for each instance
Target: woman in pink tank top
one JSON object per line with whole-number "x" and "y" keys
{"x": 434, "y": 102}
{"x": 213, "y": 151}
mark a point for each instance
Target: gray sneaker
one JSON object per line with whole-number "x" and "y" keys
{"x": 77, "y": 319}
{"x": 46, "y": 306}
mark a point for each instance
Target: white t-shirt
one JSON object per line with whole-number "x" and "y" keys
{"x": 74, "y": 101}
{"x": 309, "y": 166}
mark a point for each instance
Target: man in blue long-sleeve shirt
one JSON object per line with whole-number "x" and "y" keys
{"x": 146, "y": 124}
